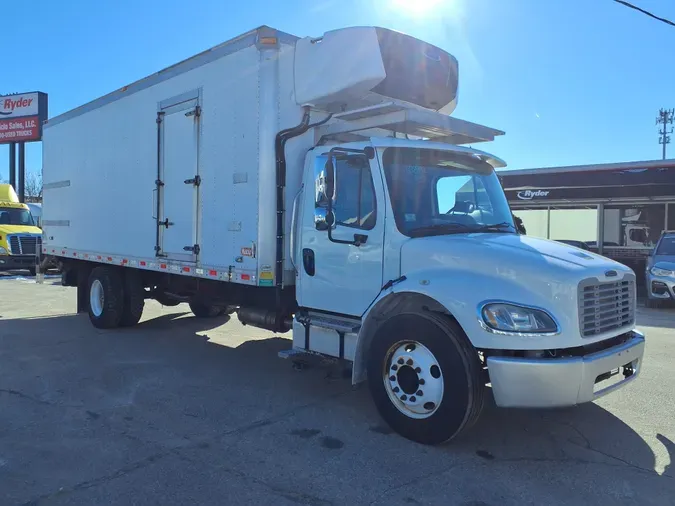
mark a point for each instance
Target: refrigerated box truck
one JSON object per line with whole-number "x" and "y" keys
{"x": 320, "y": 186}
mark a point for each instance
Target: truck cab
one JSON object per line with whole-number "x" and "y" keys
{"x": 408, "y": 251}
{"x": 20, "y": 239}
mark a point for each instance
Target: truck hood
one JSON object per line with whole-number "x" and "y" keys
{"x": 463, "y": 271}
{"x": 536, "y": 270}
{"x": 19, "y": 229}
{"x": 517, "y": 251}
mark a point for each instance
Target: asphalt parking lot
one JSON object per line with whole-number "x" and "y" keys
{"x": 185, "y": 411}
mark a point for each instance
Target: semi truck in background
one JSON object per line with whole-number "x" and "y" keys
{"x": 319, "y": 186}
{"x": 20, "y": 239}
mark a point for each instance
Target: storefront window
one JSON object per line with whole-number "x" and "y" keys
{"x": 634, "y": 226}
{"x": 535, "y": 221}
{"x": 575, "y": 224}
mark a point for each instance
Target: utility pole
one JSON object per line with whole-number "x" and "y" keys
{"x": 665, "y": 118}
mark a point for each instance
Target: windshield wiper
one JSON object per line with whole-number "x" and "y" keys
{"x": 497, "y": 227}
{"x": 458, "y": 228}
{"x": 439, "y": 228}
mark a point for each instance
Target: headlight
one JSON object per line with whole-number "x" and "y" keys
{"x": 658, "y": 271}
{"x": 510, "y": 318}
{"x": 3, "y": 251}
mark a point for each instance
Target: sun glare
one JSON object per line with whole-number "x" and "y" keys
{"x": 418, "y": 7}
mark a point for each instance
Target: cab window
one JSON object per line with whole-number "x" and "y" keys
{"x": 354, "y": 204}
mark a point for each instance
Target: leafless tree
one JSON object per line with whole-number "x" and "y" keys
{"x": 33, "y": 187}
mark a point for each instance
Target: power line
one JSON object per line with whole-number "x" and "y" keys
{"x": 631, "y": 6}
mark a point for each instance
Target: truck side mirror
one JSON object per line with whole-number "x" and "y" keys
{"x": 329, "y": 169}
{"x": 324, "y": 219}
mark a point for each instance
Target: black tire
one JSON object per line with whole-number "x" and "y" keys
{"x": 227, "y": 310}
{"x": 203, "y": 310}
{"x": 32, "y": 271}
{"x": 463, "y": 383}
{"x": 113, "y": 297}
{"x": 165, "y": 300}
{"x": 134, "y": 299}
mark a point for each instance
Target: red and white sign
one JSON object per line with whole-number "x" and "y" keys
{"x": 16, "y": 106}
{"x": 20, "y": 129}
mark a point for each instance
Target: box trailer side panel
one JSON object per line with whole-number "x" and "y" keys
{"x": 102, "y": 166}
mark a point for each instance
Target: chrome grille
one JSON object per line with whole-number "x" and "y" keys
{"x": 24, "y": 244}
{"x": 605, "y": 306}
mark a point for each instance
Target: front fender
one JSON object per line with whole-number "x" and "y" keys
{"x": 460, "y": 294}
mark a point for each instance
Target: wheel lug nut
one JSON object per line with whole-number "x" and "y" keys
{"x": 412, "y": 399}
{"x": 394, "y": 367}
{"x": 420, "y": 393}
{"x": 392, "y": 378}
{"x": 422, "y": 381}
{"x": 404, "y": 397}
{"x": 400, "y": 361}
{"x": 395, "y": 390}
{"x": 418, "y": 370}
{"x": 409, "y": 362}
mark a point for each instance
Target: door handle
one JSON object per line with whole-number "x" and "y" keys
{"x": 308, "y": 261}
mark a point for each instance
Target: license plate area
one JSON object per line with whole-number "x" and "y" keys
{"x": 614, "y": 376}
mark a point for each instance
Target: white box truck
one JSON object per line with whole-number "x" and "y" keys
{"x": 319, "y": 186}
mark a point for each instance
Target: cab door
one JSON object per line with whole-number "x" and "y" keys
{"x": 342, "y": 273}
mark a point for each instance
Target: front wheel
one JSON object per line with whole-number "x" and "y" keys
{"x": 425, "y": 377}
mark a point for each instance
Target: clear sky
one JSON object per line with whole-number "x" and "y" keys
{"x": 569, "y": 81}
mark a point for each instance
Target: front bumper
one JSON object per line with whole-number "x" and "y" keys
{"x": 16, "y": 262}
{"x": 556, "y": 382}
{"x": 660, "y": 287}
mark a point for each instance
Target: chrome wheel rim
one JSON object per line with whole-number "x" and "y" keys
{"x": 413, "y": 379}
{"x": 96, "y": 298}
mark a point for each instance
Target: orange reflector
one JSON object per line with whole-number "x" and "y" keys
{"x": 272, "y": 41}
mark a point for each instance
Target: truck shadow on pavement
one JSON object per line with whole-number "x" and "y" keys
{"x": 204, "y": 391}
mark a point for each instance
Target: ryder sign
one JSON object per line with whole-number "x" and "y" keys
{"x": 22, "y": 116}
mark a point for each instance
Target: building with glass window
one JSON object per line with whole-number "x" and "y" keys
{"x": 618, "y": 209}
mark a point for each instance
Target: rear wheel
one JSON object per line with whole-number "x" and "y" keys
{"x": 202, "y": 309}
{"x": 106, "y": 298}
{"x": 165, "y": 300}
{"x": 134, "y": 299}
{"x": 425, "y": 377}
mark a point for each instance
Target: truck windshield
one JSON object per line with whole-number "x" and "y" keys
{"x": 15, "y": 216}
{"x": 435, "y": 192}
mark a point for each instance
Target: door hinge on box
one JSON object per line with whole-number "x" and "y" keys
{"x": 195, "y": 249}
{"x": 196, "y": 112}
{"x": 196, "y": 181}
